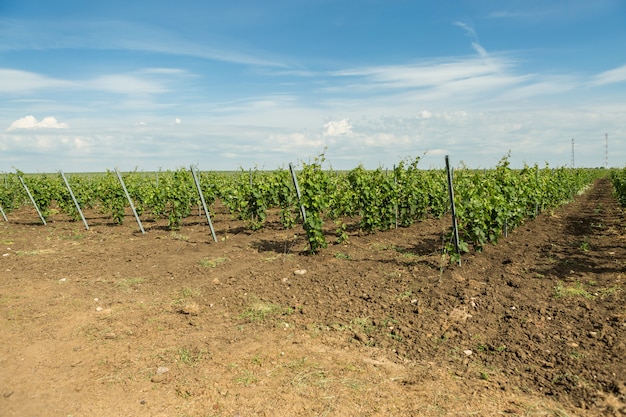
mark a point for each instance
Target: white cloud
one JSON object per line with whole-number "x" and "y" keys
{"x": 615, "y": 75}
{"x": 468, "y": 29}
{"x": 425, "y": 114}
{"x": 18, "y": 34}
{"x": 295, "y": 142}
{"x": 30, "y": 122}
{"x": 177, "y": 121}
{"x": 16, "y": 81}
{"x": 141, "y": 82}
{"x": 339, "y": 128}
{"x": 126, "y": 84}
{"x": 427, "y": 74}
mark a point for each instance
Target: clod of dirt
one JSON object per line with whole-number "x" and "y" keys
{"x": 161, "y": 374}
{"x": 191, "y": 309}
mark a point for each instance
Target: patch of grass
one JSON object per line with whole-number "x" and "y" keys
{"x": 409, "y": 258}
{"x": 363, "y": 324}
{"x": 314, "y": 377}
{"x": 246, "y": 378}
{"x": 393, "y": 274}
{"x": 190, "y": 356}
{"x": 605, "y": 292}
{"x": 577, "y": 290}
{"x": 129, "y": 283}
{"x": 178, "y": 236}
{"x": 261, "y": 311}
{"x": 584, "y": 245}
{"x": 405, "y": 295}
{"x": 382, "y": 246}
{"x": 339, "y": 255}
{"x": 27, "y": 253}
{"x": 574, "y": 354}
{"x": 75, "y": 235}
{"x": 183, "y": 296}
{"x": 395, "y": 337}
{"x": 212, "y": 263}
{"x": 187, "y": 292}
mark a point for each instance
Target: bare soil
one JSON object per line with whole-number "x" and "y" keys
{"x": 111, "y": 322}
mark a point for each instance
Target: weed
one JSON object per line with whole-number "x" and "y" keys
{"x": 339, "y": 255}
{"x": 190, "y": 356}
{"x": 73, "y": 236}
{"x": 381, "y": 246}
{"x": 187, "y": 292}
{"x": 395, "y": 337}
{"x": 308, "y": 377}
{"x": 574, "y": 354}
{"x": 128, "y": 283}
{"x": 578, "y": 290}
{"x": 605, "y": 292}
{"x": 260, "y": 311}
{"x": 183, "y": 393}
{"x": 362, "y": 324}
{"x": 184, "y": 294}
{"x": 27, "y": 253}
{"x": 246, "y": 378}
{"x": 584, "y": 245}
{"x": 178, "y": 236}
{"x": 212, "y": 263}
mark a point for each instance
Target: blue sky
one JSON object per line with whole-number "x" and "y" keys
{"x": 90, "y": 86}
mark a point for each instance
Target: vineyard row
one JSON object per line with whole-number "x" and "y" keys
{"x": 488, "y": 202}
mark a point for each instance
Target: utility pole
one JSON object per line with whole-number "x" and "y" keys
{"x": 606, "y": 150}
{"x": 572, "y": 152}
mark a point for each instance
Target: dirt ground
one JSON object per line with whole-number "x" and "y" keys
{"x": 110, "y": 322}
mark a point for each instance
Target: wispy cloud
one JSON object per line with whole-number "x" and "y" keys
{"x": 616, "y": 75}
{"x": 561, "y": 10}
{"x": 147, "y": 81}
{"x": 18, "y": 35}
{"x": 17, "y": 81}
{"x": 427, "y": 74}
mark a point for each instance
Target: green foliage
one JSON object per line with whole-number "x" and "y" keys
{"x": 490, "y": 202}
{"x": 618, "y": 178}
{"x": 44, "y": 189}
{"x": 374, "y": 198}
{"x": 12, "y": 194}
{"x": 111, "y": 197}
{"x": 314, "y": 188}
